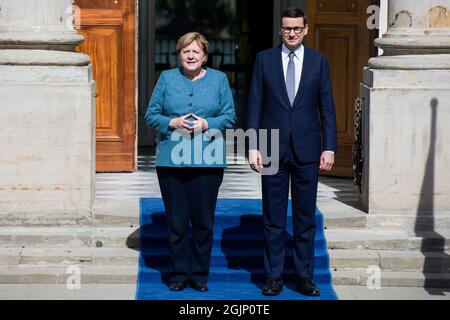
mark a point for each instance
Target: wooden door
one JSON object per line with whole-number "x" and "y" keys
{"x": 338, "y": 29}
{"x": 110, "y": 29}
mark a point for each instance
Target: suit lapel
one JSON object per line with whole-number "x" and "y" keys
{"x": 279, "y": 75}
{"x": 305, "y": 76}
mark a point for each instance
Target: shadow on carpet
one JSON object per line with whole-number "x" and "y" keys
{"x": 237, "y": 271}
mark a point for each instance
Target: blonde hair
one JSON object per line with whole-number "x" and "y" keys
{"x": 190, "y": 37}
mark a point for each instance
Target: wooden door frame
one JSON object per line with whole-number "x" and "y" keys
{"x": 116, "y": 149}
{"x": 365, "y": 50}
{"x": 145, "y": 64}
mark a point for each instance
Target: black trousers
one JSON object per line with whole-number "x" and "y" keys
{"x": 190, "y": 197}
{"x": 275, "y": 188}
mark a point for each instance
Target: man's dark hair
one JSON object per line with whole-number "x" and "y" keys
{"x": 294, "y": 13}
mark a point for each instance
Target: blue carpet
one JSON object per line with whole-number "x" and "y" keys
{"x": 237, "y": 258}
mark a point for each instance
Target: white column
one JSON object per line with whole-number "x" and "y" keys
{"x": 383, "y": 20}
{"x": 37, "y": 24}
{"x": 47, "y": 117}
{"x": 415, "y": 27}
{"x": 406, "y": 182}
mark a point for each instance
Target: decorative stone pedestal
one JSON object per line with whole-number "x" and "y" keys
{"x": 406, "y": 120}
{"x": 47, "y": 117}
{"x": 406, "y": 183}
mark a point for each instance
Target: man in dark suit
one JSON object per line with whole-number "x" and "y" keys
{"x": 291, "y": 91}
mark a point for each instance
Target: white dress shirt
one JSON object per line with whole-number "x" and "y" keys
{"x": 298, "y": 61}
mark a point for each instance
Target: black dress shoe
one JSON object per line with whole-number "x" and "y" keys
{"x": 177, "y": 286}
{"x": 307, "y": 288}
{"x": 200, "y": 286}
{"x": 273, "y": 287}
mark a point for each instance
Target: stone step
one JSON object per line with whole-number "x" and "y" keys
{"x": 69, "y": 237}
{"x": 125, "y": 213}
{"x": 388, "y": 278}
{"x": 390, "y": 260}
{"x": 387, "y": 240}
{"x": 72, "y": 256}
{"x": 352, "y": 239}
{"x": 128, "y": 275}
{"x": 60, "y": 274}
{"x": 339, "y": 259}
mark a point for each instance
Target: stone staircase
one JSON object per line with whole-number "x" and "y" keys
{"x": 109, "y": 254}
{"x": 106, "y": 250}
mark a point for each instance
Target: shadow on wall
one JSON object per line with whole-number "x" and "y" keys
{"x": 433, "y": 244}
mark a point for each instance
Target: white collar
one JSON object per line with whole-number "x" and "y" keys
{"x": 298, "y": 52}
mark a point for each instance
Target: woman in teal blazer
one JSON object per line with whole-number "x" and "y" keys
{"x": 190, "y": 107}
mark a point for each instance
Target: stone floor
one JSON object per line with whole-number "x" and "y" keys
{"x": 128, "y": 291}
{"x": 239, "y": 182}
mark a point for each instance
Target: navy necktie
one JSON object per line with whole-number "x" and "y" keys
{"x": 290, "y": 78}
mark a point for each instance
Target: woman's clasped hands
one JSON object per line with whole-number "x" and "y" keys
{"x": 189, "y": 126}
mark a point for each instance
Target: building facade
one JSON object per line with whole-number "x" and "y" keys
{"x": 123, "y": 53}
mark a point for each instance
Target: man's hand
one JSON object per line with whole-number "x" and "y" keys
{"x": 199, "y": 124}
{"x": 327, "y": 161}
{"x": 255, "y": 160}
{"x": 181, "y": 123}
